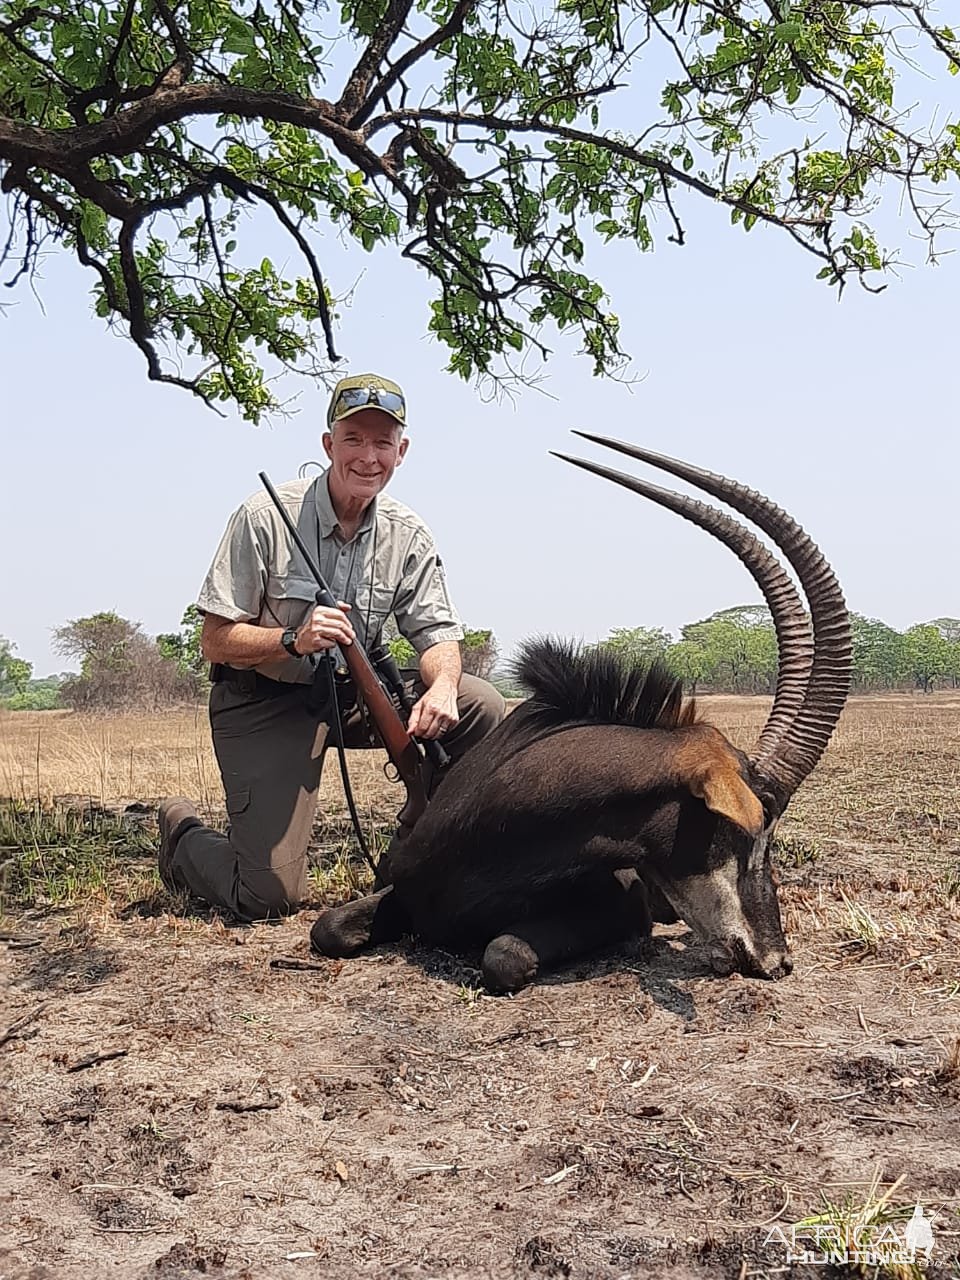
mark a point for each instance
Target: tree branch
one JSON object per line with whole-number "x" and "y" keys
{"x": 358, "y": 81}
{"x": 61, "y": 150}
{"x": 615, "y": 146}
{"x": 452, "y": 27}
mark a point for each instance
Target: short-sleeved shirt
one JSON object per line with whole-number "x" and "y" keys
{"x": 390, "y": 566}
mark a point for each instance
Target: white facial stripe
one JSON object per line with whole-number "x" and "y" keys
{"x": 710, "y": 903}
{"x": 759, "y": 851}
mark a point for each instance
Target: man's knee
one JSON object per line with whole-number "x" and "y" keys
{"x": 272, "y": 894}
{"x": 480, "y": 704}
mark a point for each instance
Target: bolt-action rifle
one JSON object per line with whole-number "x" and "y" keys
{"x": 404, "y": 751}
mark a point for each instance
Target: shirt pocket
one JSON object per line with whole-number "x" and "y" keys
{"x": 288, "y": 601}
{"x": 371, "y": 609}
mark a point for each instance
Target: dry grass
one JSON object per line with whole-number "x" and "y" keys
{"x": 109, "y": 759}
{"x": 890, "y": 780}
{"x": 884, "y": 799}
{"x": 891, "y": 774}
{"x": 59, "y": 771}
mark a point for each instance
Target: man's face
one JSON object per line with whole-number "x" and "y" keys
{"x": 364, "y": 451}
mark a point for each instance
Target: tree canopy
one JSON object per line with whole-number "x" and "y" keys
{"x": 15, "y": 673}
{"x": 490, "y": 142}
{"x": 121, "y": 667}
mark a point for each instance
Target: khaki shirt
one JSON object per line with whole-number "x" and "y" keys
{"x": 390, "y": 566}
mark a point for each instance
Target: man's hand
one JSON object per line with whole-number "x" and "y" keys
{"x": 324, "y": 629}
{"x": 435, "y": 713}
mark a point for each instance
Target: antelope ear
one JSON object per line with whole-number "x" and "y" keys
{"x": 723, "y": 791}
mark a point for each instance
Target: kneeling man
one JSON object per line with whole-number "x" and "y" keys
{"x": 261, "y": 629}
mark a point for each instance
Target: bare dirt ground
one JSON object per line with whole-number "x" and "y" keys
{"x": 177, "y": 1100}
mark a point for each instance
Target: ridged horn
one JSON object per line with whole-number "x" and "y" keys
{"x": 804, "y": 740}
{"x": 794, "y": 637}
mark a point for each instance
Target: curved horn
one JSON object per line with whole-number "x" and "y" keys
{"x": 804, "y": 741}
{"x": 790, "y": 621}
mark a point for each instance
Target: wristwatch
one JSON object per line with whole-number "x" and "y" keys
{"x": 289, "y": 642}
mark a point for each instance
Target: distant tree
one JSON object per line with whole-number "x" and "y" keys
{"x": 762, "y": 656}
{"x": 100, "y": 639}
{"x": 689, "y": 660}
{"x": 745, "y": 615}
{"x": 36, "y": 695}
{"x": 183, "y": 647}
{"x": 739, "y": 648}
{"x": 725, "y": 649}
{"x": 638, "y": 645}
{"x": 949, "y": 628}
{"x": 735, "y": 649}
{"x": 927, "y": 655}
{"x": 403, "y": 651}
{"x": 952, "y": 670}
{"x": 479, "y": 652}
{"x": 879, "y": 661}
{"x": 120, "y": 667}
{"x": 15, "y": 673}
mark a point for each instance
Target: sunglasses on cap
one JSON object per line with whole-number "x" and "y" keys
{"x": 360, "y": 397}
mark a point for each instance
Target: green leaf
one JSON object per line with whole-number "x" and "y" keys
{"x": 239, "y": 40}
{"x": 787, "y": 32}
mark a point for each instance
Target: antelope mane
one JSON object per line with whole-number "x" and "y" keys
{"x": 573, "y": 685}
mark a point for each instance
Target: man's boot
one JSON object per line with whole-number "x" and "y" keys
{"x": 175, "y": 815}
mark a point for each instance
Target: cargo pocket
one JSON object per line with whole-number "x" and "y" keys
{"x": 238, "y": 802}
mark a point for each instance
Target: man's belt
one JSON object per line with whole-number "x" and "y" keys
{"x": 315, "y": 696}
{"x": 252, "y": 682}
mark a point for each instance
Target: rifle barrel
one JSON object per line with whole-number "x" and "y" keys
{"x": 331, "y": 602}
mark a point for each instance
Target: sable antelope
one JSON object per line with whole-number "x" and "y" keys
{"x": 603, "y": 786}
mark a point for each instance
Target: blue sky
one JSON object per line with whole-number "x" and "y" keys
{"x": 116, "y": 491}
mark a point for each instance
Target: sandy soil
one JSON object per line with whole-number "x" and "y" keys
{"x": 179, "y": 1097}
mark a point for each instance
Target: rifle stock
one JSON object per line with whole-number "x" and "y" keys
{"x": 400, "y": 746}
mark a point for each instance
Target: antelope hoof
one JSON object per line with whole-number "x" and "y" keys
{"x": 341, "y": 932}
{"x": 509, "y": 963}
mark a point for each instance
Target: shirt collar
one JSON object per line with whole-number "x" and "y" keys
{"x": 326, "y": 515}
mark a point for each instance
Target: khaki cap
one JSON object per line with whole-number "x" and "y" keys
{"x": 384, "y": 395}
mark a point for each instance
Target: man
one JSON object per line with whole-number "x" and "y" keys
{"x": 262, "y": 630}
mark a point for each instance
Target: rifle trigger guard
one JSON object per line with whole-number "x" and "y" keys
{"x": 391, "y": 772}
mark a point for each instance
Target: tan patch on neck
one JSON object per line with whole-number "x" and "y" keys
{"x": 708, "y": 767}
